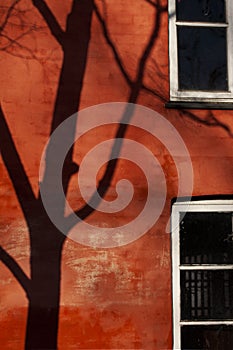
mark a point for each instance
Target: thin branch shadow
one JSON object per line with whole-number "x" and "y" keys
{"x": 46, "y": 241}
{"x": 211, "y": 121}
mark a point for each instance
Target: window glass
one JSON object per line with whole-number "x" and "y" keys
{"x": 206, "y": 238}
{"x": 206, "y": 295}
{"x": 207, "y": 337}
{"x": 201, "y": 10}
{"x": 202, "y": 58}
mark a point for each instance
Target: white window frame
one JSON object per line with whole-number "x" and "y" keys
{"x": 181, "y": 207}
{"x": 199, "y": 95}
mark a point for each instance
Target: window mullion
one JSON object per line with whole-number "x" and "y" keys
{"x": 201, "y": 24}
{"x": 205, "y": 323}
{"x": 229, "y": 9}
{"x": 176, "y": 279}
{"x": 173, "y": 49}
{"x": 205, "y": 267}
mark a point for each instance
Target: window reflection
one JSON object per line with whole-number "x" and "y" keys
{"x": 201, "y": 10}
{"x": 207, "y": 295}
{"x": 202, "y": 58}
{"x": 206, "y": 238}
{"x": 207, "y": 337}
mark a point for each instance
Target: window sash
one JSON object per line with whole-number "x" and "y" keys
{"x": 181, "y": 207}
{"x": 199, "y": 95}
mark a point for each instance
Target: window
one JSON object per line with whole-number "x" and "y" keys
{"x": 201, "y": 47}
{"x": 202, "y": 259}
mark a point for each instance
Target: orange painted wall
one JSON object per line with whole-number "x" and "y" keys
{"x": 118, "y": 298}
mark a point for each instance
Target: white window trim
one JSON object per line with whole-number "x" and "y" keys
{"x": 181, "y": 207}
{"x": 205, "y": 96}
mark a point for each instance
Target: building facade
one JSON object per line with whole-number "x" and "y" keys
{"x": 156, "y": 75}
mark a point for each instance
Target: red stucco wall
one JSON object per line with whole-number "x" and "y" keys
{"x": 118, "y": 298}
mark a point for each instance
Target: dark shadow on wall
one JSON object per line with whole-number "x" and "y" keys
{"x": 202, "y": 198}
{"x": 46, "y": 241}
{"x": 210, "y": 120}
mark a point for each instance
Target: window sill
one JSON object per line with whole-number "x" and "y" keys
{"x": 199, "y": 105}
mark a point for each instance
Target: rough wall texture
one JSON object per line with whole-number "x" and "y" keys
{"x": 117, "y": 298}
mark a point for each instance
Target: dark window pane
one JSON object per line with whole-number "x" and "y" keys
{"x": 206, "y": 295}
{"x": 200, "y": 10}
{"x": 202, "y": 58}
{"x": 206, "y": 238}
{"x": 207, "y": 337}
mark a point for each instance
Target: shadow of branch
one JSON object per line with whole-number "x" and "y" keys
{"x": 211, "y": 120}
{"x": 16, "y": 270}
{"x": 136, "y": 87}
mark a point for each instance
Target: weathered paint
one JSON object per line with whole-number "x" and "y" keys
{"x": 110, "y": 298}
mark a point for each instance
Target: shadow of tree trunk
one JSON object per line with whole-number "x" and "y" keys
{"x": 46, "y": 241}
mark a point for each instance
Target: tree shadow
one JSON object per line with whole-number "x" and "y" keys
{"x": 46, "y": 241}
{"x": 210, "y": 120}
